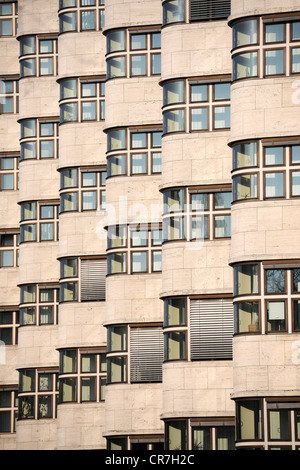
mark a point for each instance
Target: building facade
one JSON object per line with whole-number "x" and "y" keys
{"x": 149, "y": 259}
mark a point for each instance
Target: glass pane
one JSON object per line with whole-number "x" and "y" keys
{"x": 116, "y": 369}
{"x": 296, "y": 183}
{"x": 249, "y": 420}
{"x": 173, "y": 92}
{"x": 244, "y": 33}
{"x": 116, "y": 263}
{"x": 245, "y": 155}
{"x": 156, "y": 261}
{"x": 68, "y": 178}
{"x": 68, "y": 361}
{"x": 7, "y": 105}
{"x": 174, "y": 121}
{"x": 27, "y": 380}
{"x": 88, "y": 20}
{"x": 274, "y": 32}
{"x": 138, "y": 140}
{"x": 5, "y": 399}
{"x": 4, "y": 421}
{"x": 222, "y": 226}
{"x": 46, "y": 129}
{"x": 5, "y": 9}
{"x": 155, "y": 40}
{"x": 67, "y": 22}
{"x": 27, "y": 294}
{"x": 244, "y": 187}
{"x": 115, "y": 41}
{"x": 274, "y": 156}
{"x": 199, "y": 201}
{"x": 68, "y": 89}
{"x": 138, "y": 41}
{"x": 225, "y": 438}
{"x": 6, "y": 335}
{"x": 27, "y": 67}
{"x": 68, "y": 268}
{"x": 138, "y": 163}
{"x": 173, "y": 11}
{"x": 68, "y": 112}
{"x": 279, "y": 424}
{"x": 139, "y": 262}
{"x": 116, "y": 236}
{"x": 45, "y": 382}
{"x": 116, "y": 165}
{"x": 46, "y": 46}
{"x": 68, "y": 390}
{"x": 88, "y": 110}
{"x": 46, "y": 295}
{"x": 173, "y": 228}
{"x": 274, "y": 185}
{"x": 116, "y": 140}
{"x": 28, "y": 150}
{"x": 46, "y": 315}
{"x": 156, "y": 64}
{"x": 246, "y": 315}
{"x": 46, "y": 66}
{"x": 222, "y": 117}
{"x": 296, "y": 30}
{"x": 222, "y": 200}
{"x": 198, "y": 93}
{"x": 173, "y": 200}
{"x": 296, "y": 280}
{"x": 156, "y": 162}
{"x": 139, "y": 238}
{"x": 27, "y": 45}
{"x": 89, "y": 200}
{"x": 28, "y": 128}
{"x": 7, "y": 163}
{"x": 174, "y": 312}
{"x": 275, "y": 315}
{"x": 68, "y": 202}
{"x": 46, "y": 231}
{"x": 26, "y": 407}
{"x": 246, "y": 279}
{"x": 88, "y": 363}
{"x": 222, "y": 91}
{"x": 156, "y": 139}
{"x": 28, "y": 210}
{"x": 6, "y": 28}
{"x": 47, "y": 212}
{"x": 116, "y": 67}
{"x": 138, "y": 65}
{"x": 88, "y": 389}
{"x": 245, "y": 65}
{"x": 201, "y": 438}
{"x": 199, "y": 119}
{"x": 296, "y": 60}
{"x": 117, "y": 338}
{"x": 199, "y": 228}
{"x": 7, "y": 182}
{"x": 88, "y": 89}
{"x": 7, "y": 258}
{"x": 45, "y": 406}
{"x": 89, "y": 179}
{"x": 47, "y": 149}
{"x": 27, "y": 316}
{"x": 68, "y": 292}
{"x": 6, "y": 318}
{"x": 275, "y": 281}
{"x": 175, "y": 345}
{"x": 274, "y": 62}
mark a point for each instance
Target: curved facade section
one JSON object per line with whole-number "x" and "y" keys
{"x": 138, "y": 14}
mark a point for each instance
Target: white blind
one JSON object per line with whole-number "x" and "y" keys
{"x": 93, "y": 278}
{"x": 211, "y": 329}
{"x": 209, "y": 9}
{"x": 146, "y": 354}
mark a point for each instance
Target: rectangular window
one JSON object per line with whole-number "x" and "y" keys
{"x": 274, "y": 62}
{"x": 146, "y": 354}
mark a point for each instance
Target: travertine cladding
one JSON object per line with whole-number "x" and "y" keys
{"x": 197, "y": 389}
{"x": 8, "y": 442}
{"x": 81, "y": 324}
{"x": 134, "y": 199}
{"x": 37, "y": 346}
{"x": 265, "y": 108}
{"x": 265, "y": 230}
{"x": 9, "y": 209}
{"x": 37, "y": 16}
{"x": 8, "y": 373}
{"x": 40, "y": 180}
{"x": 197, "y": 158}
{"x": 38, "y": 97}
{"x": 123, "y": 13}
{"x": 193, "y": 267}
{"x": 194, "y": 49}
{"x": 36, "y": 434}
{"x": 38, "y": 262}
{"x": 81, "y": 144}
{"x": 240, "y": 8}
{"x": 10, "y": 294}
{"x": 9, "y": 52}
{"x": 81, "y": 53}
{"x": 80, "y": 426}
{"x": 10, "y": 133}
{"x": 82, "y": 234}
{"x": 132, "y": 101}
{"x": 267, "y": 365}
{"x": 133, "y": 409}
{"x": 132, "y": 298}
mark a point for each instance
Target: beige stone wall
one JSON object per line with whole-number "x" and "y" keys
{"x": 80, "y": 426}
{"x": 265, "y": 108}
{"x": 122, "y": 13}
{"x": 38, "y": 97}
{"x": 38, "y": 262}
{"x": 133, "y": 298}
{"x": 9, "y": 278}
{"x": 8, "y": 372}
{"x": 37, "y": 16}
{"x": 81, "y": 324}
{"x": 240, "y": 8}
{"x": 37, "y": 346}
{"x": 133, "y": 101}
{"x": 197, "y": 389}
{"x": 76, "y": 149}
{"x": 10, "y": 132}
{"x": 8, "y": 442}
{"x": 133, "y": 409}
{"x": 265, "y": 230}
{"x": 196, "y": 268}
{"x": 266, "y": 365}
{"x": 81, "y": 54}
{"x": 9, "y": 209}
{"x": 191, "y": 50}
{"x": 39, "y": 180}
{"x": 197, "y": 158}
{"x": 36, "y": 435}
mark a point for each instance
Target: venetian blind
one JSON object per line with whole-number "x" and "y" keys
{"x": 211, "y": 329}
{"x": 146, "y": 354}
{"x": 209, "y": 9}
{"x": 93, "y": 278}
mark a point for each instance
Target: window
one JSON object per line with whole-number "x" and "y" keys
{"x": 134, "y": 249}
{"x": 208, "y": 437}
{"x": 81, "y": 15}
{"x": 144, "y": 361}
{"x": 82, "y": 189}
{"x": 88, "y": 273}
{"x": 275, "y": 171}
{"x": 9, "y": 95}
{"x": 39, "y": 139}
{"x": 278, "y": 49}
{"x": 140, "y": 50}
{"x": 9, "y": 323}
{"x": 9, "y": 250}
{"x": 39, "y": 305}
{"x": 176, "y": 435}
{"x": 173, "y": 11}
{"x": 82, "y": 375}
{"x": 273, "y": 310}
{"x": 37, "y": 394}
{"x": 249, "y": 420}
{"x": 82, "y": 100}
{"x": 39, "y": 222}
{"x": 9, "y": 172}
{"x": 205, "y": 215}
{"x": 8, "y": 19}
{"x": 8, "y": 409}
{"x": 195, "y": 106}
{"x": 38, "y": 56}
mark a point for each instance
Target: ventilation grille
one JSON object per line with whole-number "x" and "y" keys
{"x": 209, "y": 9}
{"x": 146, "y": 354}
{"x": 211, "y": 329}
